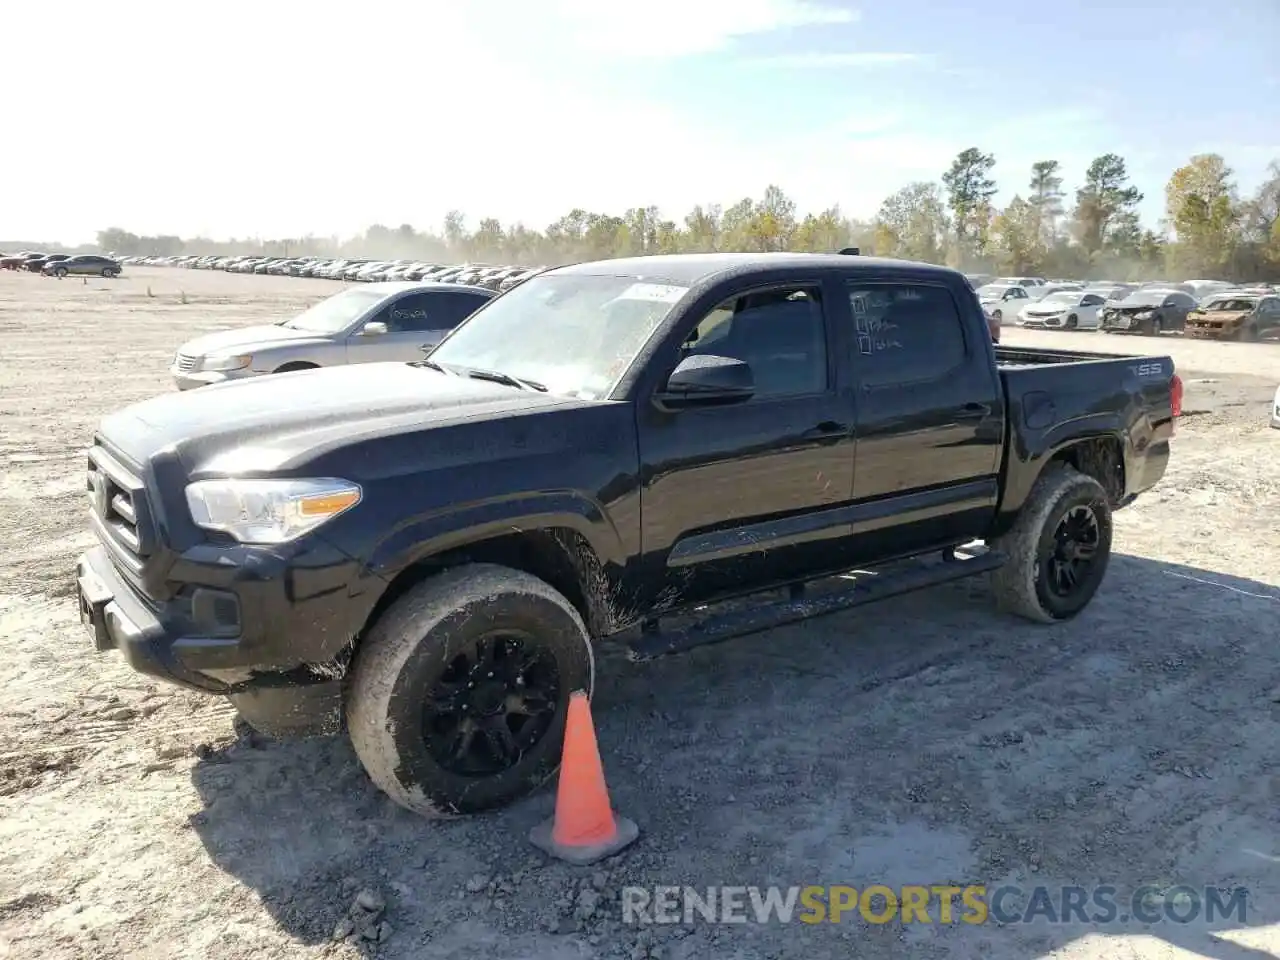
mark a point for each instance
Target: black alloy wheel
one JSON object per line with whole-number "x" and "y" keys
{"x": 493, "y": 703}
{"x": 1072, "y": 552}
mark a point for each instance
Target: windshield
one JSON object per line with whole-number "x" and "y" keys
{"x": 1144, "y": 298}
{"x": 992, "y": 291}
{"x": 1062, "y": 296}
{"x": 574, "y": 333}
{"x": 1234, "y": 304}
{"x": 336, "y": 313}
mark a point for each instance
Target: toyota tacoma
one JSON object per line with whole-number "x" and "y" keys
{"x": 428, "y": 552}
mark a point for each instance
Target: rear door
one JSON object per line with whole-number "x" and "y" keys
{"x": 449, "y": 309}
{"x": 1176, "y": 307}
{"x": 930, "y": 418}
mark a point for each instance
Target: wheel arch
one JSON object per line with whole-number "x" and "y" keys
{"x": 561, "y": 556}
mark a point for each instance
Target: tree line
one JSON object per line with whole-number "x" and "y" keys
{"x": 1208, "y": 231}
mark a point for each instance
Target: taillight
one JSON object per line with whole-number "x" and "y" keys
{"x": 1175, "y": 395}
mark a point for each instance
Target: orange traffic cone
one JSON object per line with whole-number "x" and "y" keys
{"x": 585, "y": 827}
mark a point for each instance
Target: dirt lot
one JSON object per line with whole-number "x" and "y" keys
{"x": 926, "y": 740}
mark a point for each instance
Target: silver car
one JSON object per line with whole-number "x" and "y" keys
{"x": 363, "y": 324}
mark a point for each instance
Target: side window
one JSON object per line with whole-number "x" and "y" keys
{"x": 905, "y": 333}
{"x": 450, "y": 309}
{"x": 781, "y": 333}
{"x": 411, "y": 314}
{"x": 1092, "y": 300}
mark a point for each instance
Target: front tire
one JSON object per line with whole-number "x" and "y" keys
{"x": 292, "y": 367}
{"x": 1073, "y": 322}
{"x": 60, "y": 272}
{"x": 1058, "y": 548}
{"x": 458, "y": 695}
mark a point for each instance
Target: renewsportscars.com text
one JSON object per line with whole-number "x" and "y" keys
{"x": 937, "y": 903}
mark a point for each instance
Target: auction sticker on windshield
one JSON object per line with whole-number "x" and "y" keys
{"x": 653, "y": 292}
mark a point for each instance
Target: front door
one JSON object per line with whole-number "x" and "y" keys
{"x": 742, "y": 496}
{"x": 409, "y": 323}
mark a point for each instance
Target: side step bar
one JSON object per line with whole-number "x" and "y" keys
{"x": 867, "y": 586}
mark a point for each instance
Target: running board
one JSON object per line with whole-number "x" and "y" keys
{"x": 867, "y": 586}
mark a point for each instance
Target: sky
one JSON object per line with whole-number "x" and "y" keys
{"x": 271, "y": 119}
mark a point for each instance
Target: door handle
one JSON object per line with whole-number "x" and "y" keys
{"x": 826, "y": 430}
{"x": 976, "y": 409}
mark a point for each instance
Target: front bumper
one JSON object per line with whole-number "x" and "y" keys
{"x": 1211, "y": 333}
{"x": 1056, "y": 320}
{"x": 258, "y": 668}
{"x": 150, "y": 637}
{"x": 190, "y": 379}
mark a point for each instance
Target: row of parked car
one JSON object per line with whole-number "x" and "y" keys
{"x": 1207, "y": 309}
{"x": 62, "y": 264}
{"x": 489, "y": 276}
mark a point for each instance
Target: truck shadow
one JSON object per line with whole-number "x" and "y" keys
{"x": 925, "y": 740}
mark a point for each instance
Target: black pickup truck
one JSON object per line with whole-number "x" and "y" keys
{"x": 429, "y": 550}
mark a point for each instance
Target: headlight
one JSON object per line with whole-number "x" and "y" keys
{"x": 268, "y": 511}
{"x": 1143, "y": 314}
{"x": 225, "y": 363}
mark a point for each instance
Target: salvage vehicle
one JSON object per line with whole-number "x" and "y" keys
{"x": 1148, "y": 311}
{"x": 365, "y": 324}
{"x": 433, "y": 549}
{"x": 1064, "y": 310}
{"x": 1235, "y": 317}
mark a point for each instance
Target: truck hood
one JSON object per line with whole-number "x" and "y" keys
{"x": 273, "y": 423}
{"x": 227, "y": 341}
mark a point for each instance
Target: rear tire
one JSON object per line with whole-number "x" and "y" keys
{"x": 444, "y": 672}
{"x": 1066, "y": 515}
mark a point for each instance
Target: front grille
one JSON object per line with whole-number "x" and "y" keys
{"x": 184, "y": 364}
{"x": 118, "y": 507}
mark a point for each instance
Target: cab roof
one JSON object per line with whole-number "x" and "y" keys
{"x": 692, "y": 268}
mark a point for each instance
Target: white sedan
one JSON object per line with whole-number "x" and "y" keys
{"x": 1064, "y": 310}
{"x": 998, "y": 299}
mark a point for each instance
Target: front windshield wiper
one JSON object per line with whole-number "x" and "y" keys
{"x": 429, "y": 364}
{"x": 495, "y": 376}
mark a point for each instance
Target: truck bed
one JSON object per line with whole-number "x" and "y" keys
{"x": 1010, "y": 358}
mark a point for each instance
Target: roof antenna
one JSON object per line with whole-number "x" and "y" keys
{"x": 851, "y": 252}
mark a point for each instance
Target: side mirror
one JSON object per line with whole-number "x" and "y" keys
{"x": 374, "y": 328}
{"x": 705, "y": 380}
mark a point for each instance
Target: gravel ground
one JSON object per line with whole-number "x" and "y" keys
{"x": 924, "y": 740}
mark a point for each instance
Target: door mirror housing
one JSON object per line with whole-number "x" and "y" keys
{"x": 374, "y": 328}
{"x": 705, "y": 380}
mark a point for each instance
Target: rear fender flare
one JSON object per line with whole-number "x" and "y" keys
{"x": 1052, "y": 445}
